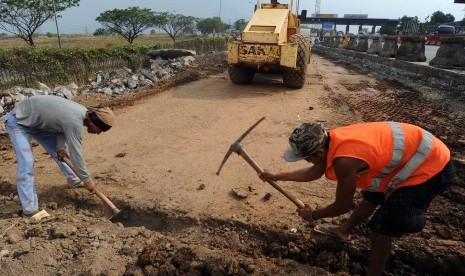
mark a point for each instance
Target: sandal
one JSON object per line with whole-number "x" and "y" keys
{"x": 75, "y": 186}
{"x": 325, "y": 229}
{"x": 38, "y": 215}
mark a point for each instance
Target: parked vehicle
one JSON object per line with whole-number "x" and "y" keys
{"x": 445, "y": 29}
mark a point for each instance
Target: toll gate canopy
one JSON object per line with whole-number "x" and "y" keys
{"x": 352, "y": 21}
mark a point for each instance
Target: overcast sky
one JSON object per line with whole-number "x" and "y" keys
{"x": 82, "y": 19}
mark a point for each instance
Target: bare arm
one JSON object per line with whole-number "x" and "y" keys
{"x": 301, "y": 175}
{"x": 346, "y": 169}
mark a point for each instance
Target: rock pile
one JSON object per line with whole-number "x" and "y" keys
{"x": 164, "y": 64}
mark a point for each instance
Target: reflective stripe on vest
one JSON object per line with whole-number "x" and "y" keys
{"x": 413, "y": 163}
{"x": 398, "y": 151}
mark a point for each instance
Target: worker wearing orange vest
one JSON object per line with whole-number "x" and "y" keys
{"x": 400, "y": 168}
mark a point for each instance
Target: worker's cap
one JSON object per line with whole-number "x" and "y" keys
{"x": 102, "y": 117}
{"x": 305, "y": 141}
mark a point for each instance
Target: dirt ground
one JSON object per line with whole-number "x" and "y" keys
{"x": 159, "y": 162}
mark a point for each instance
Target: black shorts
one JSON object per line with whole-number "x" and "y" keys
{"x": 404, "y": 211}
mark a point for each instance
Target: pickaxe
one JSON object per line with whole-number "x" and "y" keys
{"x": 237, "y": 148}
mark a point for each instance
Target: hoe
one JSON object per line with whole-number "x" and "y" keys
{"x": 237, "y": 148}
{"x": 118, "y": 214}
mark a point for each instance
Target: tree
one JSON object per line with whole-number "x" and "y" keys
{"x": 211, "y": 25}
{"x": 387, "y": 30}
{"x": 103, "y": 32}
{"x": 129, "y": 23}
{"x": 175, "y": 24}
{"x": 450, "y": 18}
{"x": 240, "y": 24}
{"x": 409, "y": 25}
{"x": 439, "y": 17}
{"x": 423, "y": 28}
{"x": 22, "y": 18}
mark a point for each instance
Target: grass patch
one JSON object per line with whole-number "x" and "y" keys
{"x": 68, "y": 41}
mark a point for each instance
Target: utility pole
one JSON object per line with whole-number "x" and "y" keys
{"x": 56, "y": 23}
{"x": 219, "y": 12}
{"x": 317, "y": 7}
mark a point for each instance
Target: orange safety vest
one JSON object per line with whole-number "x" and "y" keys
{"x": 397, "y": 154}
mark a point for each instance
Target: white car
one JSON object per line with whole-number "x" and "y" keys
{"x": 445, "y": 29}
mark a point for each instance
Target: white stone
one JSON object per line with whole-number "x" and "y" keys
{"x": 44, "y": 88}
{"x": 107, "y": 91}
{"x": 4, "y": 253}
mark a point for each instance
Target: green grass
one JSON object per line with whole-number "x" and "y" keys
{"x": 82, "y": 41}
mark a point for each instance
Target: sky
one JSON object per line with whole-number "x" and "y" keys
{"x": 81, "y": 19}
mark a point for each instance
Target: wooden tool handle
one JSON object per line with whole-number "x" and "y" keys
{"x": 107, "y": 201}
{"x": 97, "y": 192}
{"x": 257, "y": 168}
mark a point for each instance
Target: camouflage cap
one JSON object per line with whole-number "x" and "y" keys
{"x": 305, "y": 141}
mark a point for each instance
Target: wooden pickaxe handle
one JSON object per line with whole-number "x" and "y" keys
{"x": 257, "y": 168}
{"x": 97, "y": 192}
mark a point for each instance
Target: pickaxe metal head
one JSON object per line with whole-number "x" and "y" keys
{"x": 236, "y": 146}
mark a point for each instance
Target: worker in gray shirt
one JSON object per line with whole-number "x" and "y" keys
{"x": 58, "y": 125}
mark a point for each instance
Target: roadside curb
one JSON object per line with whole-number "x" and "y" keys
{"x": 419, "y": 72}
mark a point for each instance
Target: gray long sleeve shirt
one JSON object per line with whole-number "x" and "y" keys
{"x": 60, "y": 116}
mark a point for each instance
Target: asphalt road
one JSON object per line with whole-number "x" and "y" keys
{"x": 430, "y": 52}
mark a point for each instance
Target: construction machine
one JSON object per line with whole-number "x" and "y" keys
{"x": 271, "y": 42}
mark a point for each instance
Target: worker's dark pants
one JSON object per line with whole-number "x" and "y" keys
{"x": 404, "y": 210}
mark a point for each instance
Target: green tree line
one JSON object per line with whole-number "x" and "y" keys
{"x": 437, "y": 18}
{"x": 23, "y": 18}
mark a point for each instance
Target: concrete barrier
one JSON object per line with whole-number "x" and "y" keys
{"x": 341, "y": 40}
{"x": 362, "y": 45}
{"x": 451, "y": 53}
{"x": 336, "y": 41}
{"x": 332, "y": 42}
{"x": 326, "y": 41}
{"x": 375, "y": 46}
{"x": 352, "y": 43}
{"x": 412, "y": 48}
{"x": 416, "y": 73}
{"x": 390, "y": 47}
{"x": 345, "y": 41}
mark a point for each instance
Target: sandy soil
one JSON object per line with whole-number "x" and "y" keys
{"x": 159, "y": 162}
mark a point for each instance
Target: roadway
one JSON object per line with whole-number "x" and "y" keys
{"x": 430, "y": 52}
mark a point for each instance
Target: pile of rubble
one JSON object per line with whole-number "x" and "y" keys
{"x": 164, "y": 64}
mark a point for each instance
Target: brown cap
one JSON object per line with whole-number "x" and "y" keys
{"x": 104, "y": 118}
